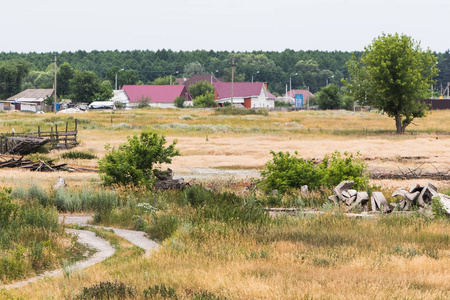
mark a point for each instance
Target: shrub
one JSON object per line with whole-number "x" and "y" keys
{"x": 163, "y": 225}
{"x": 161, "y": 291}
{"x": 241, "y": 111}
{"x": 179, "y": 102}
{"x": 108, "y": 290}
{"x": 206, "y": 100}
{"x": 136, "y": 161}
{"x": 77, "y": 155}
{"x": 286, "y": 172}
{"x": 282, "y": 104}
{"x": 144, "y": 102}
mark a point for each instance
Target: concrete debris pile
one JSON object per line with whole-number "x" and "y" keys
{"x": 165, "y": 181}
{"x": 349, "y": 198}
{"x": 421, "y": 197}
{"x": 417, "y": 196}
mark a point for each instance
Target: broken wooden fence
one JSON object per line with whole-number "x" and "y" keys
{"x": 24, "y": 142}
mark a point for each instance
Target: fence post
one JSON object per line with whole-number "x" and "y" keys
{"x": 39, "y": 131}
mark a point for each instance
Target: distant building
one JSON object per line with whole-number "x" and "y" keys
{"x": 120, "y": 96}
{"x": 245, "y": 94}
{"x": 31, "y": 100}
{"x": 304, "y": 95}
{"x": 158, "y": 95}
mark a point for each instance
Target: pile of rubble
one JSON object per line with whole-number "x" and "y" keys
{"x": 165, "y": 181}
{"x": 418, "y": 196}
{"x": 40, "y": 165}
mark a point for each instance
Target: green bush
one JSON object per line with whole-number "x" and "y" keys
{"x": 286, "y": 172}
{"x": 163, "y": 225}
{"x": 77, "y": 155}
{"x": 136, "y": 161}
{"x": 228, "y": 110}
{"x": 108, "y": 290}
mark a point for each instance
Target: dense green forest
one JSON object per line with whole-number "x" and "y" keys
{"x": 305, "y": 69}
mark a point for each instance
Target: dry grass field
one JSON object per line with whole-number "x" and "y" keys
{"x": 325, "y": 257}
{"x": 216, "y": 142}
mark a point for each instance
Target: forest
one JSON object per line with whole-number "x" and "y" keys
{"x": 311, "y": 70}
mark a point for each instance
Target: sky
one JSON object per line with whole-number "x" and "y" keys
{"x": 233, "y": 25}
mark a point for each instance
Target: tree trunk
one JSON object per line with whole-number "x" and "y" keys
{"x": 398, "y": 124}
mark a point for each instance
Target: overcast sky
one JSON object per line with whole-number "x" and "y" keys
{"x": 239, "y": 25}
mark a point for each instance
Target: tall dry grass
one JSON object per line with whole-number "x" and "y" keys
{"x": 294, "y": 258}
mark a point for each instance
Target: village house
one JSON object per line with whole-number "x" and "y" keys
{"x": 31, "y": 100}
{"x": 245, "y": 94}
{"x": 157, "y": 95}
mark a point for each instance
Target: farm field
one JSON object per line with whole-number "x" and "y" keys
{"x": 211, "y": 247}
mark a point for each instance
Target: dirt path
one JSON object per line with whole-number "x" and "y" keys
{"x": 104, "y": 249}
{"x": 138, "y": 238}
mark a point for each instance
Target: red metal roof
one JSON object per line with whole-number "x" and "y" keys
{"x": 240, "y": 89}
{"x": 157, "y": 93}
{"x": 306, "y": 94}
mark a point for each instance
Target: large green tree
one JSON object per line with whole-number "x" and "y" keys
{"x": 392, "y": 75}
{"x": 64, "y": 75}
{"x": 329, "y": 97}
{"x": 85, "y": 86}
{"x": 201, "y": 88}
{"x": 12, "y": 74}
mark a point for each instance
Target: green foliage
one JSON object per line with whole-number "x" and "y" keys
{"x": 166, "y": 80}
{"x": 144, "y": 102}
{"x": 228, "y": 110}
{"x": 285, "y": 172}
{"x": 282, "y": 104}
{"x": 75, "y": 154}
{"x": 63, "y": 76}
{"x": 160, "y": 291}
{"x": 12, "y": 74}
{"x": 105, "y": 92}
{"x": 226, "y": 207}
{"x": 163, "y": 225}
{"x": 206, "y": 100}
{"x": 135, "y": 162}
{"x": 179, "y": 102}
{"x": 392, "y": 75}
{"x": 438, "y": 209}
{"x": 201, "y": 88}
{"x": 193, "y": 68}
{"x": 108, "y": 290}
{"x": 329, "y": 97}
{"x": 86, "y": 86}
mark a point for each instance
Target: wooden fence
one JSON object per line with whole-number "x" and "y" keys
{"x": 59, "y": 139}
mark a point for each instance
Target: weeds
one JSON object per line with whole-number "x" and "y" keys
{"x": 77, "y": 155}
{"x": 108, "y": 290}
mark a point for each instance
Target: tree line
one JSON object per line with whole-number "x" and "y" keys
{"x": 89, "y": 76}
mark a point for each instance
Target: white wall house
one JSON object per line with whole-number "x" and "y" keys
{"x": 245, "y": 94}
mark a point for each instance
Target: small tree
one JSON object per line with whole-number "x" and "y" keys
{"x": 329, "y": 97}
{"x": 179, "y": 102}
{"x": 136, "y": 162}
{"x": 144, "y": 102}
{"x": 201, "y": 88}
{"x": 206, "y": 100}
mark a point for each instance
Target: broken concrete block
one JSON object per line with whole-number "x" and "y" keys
{"x": 60, "y": 182}
{"x": 380, "y": 203}
{"x": 335, "y": 199}
{"x": 349, "y": 201}
{"x": 304, "y": 189}
{"x": 343, "y": 187}
{"x": 409, "y": 198}
{"x": 426, "y": 195}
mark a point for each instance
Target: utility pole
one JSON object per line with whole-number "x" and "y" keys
{"x": 54, "y": 92}
{"x": 232, "y": 81}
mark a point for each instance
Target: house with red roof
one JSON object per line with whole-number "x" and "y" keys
{"x": 245, "y": 94}
{"x": 158, "y": 95}
{"x": 305, "y": 95}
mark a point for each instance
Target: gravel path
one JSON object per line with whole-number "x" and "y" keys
{"x": 104, "y": 249}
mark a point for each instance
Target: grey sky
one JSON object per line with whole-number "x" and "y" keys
{"x": 240, "y": 25}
